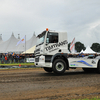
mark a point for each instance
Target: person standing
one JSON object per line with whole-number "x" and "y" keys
{"x": 5, "y": 59}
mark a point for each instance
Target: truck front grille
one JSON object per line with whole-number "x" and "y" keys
{"x": 37, "y": 59}
{"x": 36, "y": 52}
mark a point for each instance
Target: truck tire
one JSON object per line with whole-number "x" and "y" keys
{"x": 98, "y": 67}
{"x": 49, "y": 70}
{"x": 89, "y": 70}
{"x": 86, "y": 69}
{"x": 59, "y": 66}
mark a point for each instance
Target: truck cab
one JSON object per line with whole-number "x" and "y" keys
{"x": 50, "y": 46}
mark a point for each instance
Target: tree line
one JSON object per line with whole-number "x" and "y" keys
{"x": 79, "y": 46}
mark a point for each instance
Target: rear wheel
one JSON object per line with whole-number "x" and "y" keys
{"x": 48, "y": 69}
{"x": 86, "y": 69}
{"x": 89, "y": 69}
{"x": 59, "y": 66}
{"x": 98, "y": 67}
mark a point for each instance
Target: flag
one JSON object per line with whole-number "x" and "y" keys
{"x": 72, "y": 46}
{"x": 21, "y": 41}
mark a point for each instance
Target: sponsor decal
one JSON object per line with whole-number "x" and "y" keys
{"x": 54, "y": 49}
{"x": 73, "y": 65}
{"x": 56, "y": 45}
{"x": 84, "y": 62}
{"x": 93, "y": 62}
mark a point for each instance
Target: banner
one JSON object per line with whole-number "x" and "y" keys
{"x": 30, "y": 59}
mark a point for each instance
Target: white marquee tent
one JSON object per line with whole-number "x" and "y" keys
{"x": 88, "y": 50}
{"x": 10, "y": 44}
{"x": 1, "y": 39}
{"x": 31, "y": 50}
{"x": 31, "y": 42}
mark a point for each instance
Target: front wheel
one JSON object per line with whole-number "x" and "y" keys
{"x": 59, "y": 66}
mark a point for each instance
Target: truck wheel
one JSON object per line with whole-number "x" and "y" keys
{"x": 86, "y": 69}
{"x": 98, "y": 67}
{"x": 89, "y": 69}
{"x": 59, "y": 66}
{"x": 48, "y": 69}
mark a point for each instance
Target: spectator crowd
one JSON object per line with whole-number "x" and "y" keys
{"x": 14, "y": 58}
{"x": 21, "y": 58}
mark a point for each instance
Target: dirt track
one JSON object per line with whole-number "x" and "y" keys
{"x": 36, "y": 84}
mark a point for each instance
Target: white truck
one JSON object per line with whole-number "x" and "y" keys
{"x": 51, "y": 53}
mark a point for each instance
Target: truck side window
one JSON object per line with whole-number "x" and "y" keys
{"x": 52, "y": 37}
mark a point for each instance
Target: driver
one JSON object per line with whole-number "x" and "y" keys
{"x": 55, "y": 39}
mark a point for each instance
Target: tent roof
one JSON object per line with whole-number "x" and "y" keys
{"x": 31, "y": 42}
{"x": 10, "y": 44}
{"x": 88, "y": 50}
{"x": 31, "y": 50}
{"x": 81, "y": 51}
{"x": 1, "y": 39}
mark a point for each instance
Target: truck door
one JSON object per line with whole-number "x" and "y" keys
{"x": 51, "y": 43}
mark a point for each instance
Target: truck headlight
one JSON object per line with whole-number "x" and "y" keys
{"x": 42, "y": 58}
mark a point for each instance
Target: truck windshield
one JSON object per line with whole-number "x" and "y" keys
{"x": 41, "y": 38}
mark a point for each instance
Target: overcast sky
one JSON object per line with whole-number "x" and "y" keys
{"x": 79, "y": 18}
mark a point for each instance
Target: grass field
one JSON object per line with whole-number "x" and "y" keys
{"x": 17, "y": 64}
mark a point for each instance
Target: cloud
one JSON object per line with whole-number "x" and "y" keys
{"x": 79, "y": 18}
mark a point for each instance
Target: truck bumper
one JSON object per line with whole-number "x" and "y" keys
{"x": 40, "y": 62}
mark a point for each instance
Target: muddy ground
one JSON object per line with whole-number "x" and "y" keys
{"x": 36, "y": 84}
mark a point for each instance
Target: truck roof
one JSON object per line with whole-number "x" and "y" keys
{"x": 43, "y": 33}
